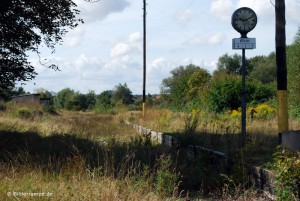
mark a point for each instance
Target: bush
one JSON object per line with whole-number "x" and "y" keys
{"x": 264, "y": 111}
{"x": 23, "y": 112}
{"x": 226, "y": 94}
{"x": 286, "y": 167}
{"x": 191, "y": 121}
{"x": 49, "y": 109}
{"x": 166, "y": 181}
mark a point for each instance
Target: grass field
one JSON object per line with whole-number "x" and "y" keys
{"x": 87, "y": 156}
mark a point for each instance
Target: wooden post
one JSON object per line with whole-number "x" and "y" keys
{"x": 282, "y": 95}
{"x": 144, "y": 59}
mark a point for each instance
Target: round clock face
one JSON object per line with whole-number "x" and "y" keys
{"x": 244, "y": 20}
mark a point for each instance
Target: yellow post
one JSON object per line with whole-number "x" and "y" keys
{"x": 282, "y": 98}
{"x": 144, "y": 108}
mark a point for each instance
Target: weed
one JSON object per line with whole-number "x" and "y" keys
{"x": 286, "y": 167}
{"x": 191, "y": 121}
{"x": 167, "y": 178}
{"x": 23, "y": 112}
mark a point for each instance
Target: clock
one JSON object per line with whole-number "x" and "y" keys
{"x": 244, "y": 20}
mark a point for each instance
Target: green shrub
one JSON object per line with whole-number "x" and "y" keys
{"x": 166, "y": 181}
{"x": 191, "y": 121}
{"x": 286, "y": 167}
{"x": 23, "y": 112}
{"x": 49, "y": 109}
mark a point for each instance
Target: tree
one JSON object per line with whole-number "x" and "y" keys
{"x": 226, "y": 93}
{"x": 198, "y": 84}
{"x": 176, "y": 86}
{"x": 104, "y": 102}
{"x": 7, "y": 93}
{"x": 293, "y": 65}
{"x": 25, "y": 25}
{"x": 78, "y": 102}
{"x": 123, "y": 93}
{"x": 264, "y": 68}
{"x": 63, "y": 98}
{"x": 232, "y": 64}
{"x": 91, "y": 99}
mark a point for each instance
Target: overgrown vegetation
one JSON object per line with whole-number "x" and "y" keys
{"x": 78, "y": 148}
{"x": 81, "y": 155}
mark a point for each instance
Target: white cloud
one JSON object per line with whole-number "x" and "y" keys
{"x": 187, "y": 61}
{"x": 222, "y": 9}
{"x": 135, "y": 37}
{"x": 195, "y": 40}
{"x": 128, "y": 47}
{"x": 292, "y": 12}
{"x": 184, "y": 16}
{"x": 200, "y": 39}
{"x": 87, "y": 66}
{"x": 157, "y": 64}
{"x": 74, "y": 37}
{"x": 100, "y": 10}
{"x": 217, "y": 38}
{"x": 120, "y": 49}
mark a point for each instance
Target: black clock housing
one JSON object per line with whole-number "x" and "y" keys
{"x": 244, "y": 20}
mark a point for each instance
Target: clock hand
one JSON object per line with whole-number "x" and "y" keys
{"x": 249, "y": 17}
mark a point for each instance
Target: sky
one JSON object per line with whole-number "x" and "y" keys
{"x": 107, "y": 49}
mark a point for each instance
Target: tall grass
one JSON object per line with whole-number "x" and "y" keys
{"x": 221, "y": 132}
{"x": 79, "y": 156}
{"x": 87, "y": 156}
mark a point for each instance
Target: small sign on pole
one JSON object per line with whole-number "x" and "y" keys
{"x": 243, "y": 43}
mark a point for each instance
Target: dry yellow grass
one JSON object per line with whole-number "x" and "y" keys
{"x": 85, "y": 168}
{"x": 73, "y": 156}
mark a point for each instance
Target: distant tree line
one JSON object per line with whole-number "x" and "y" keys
{"x": 191, "y": 87}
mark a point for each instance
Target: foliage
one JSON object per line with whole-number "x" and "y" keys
{"x": 123, "y": 93}
{"x": 264, "y": 68}
{"x": 286, "y": 167}
{"x": 232, "y": 64}
{"x": 164, "y": 118}
{"x": 7, "y": 93}
{"x": 185, "y": 84}
{"x": 63, "y": 98}
{"x": 225, "y": 94}
{"x": 91, "y": 99}
{"x": 261, "y": 111}
{"x": 166, "y": 180}
{"x": 192, "y": 120}
{"x": 294, "y": 111}
{"x": 293, "y": 67}
{"x": 49, "y": 109}
{"x": 104, "y": 102}
{"x": 198, "y": 84}
{"x": 264, "y": 111}
{"x": 71, "y": 100}
{"x": 23, "y": 112}
{"x": 25, "y": 25}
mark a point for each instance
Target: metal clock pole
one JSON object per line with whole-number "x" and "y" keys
{"x": 243, "y": 97}
{"x": 243, "y": 20}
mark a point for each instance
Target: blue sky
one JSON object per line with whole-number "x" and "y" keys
{"x": 107, "y": 49}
